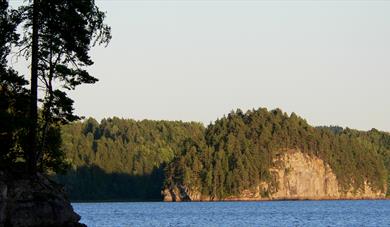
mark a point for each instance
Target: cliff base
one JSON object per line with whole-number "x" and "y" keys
{"x": 298, "y": 177}
{"x": 32, "y": 201}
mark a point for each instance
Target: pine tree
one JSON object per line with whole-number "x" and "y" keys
{"x": 58, "y": 37}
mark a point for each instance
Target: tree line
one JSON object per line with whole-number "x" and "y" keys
{"x": 120, "y": 159}
{"x": 240, "y": 147}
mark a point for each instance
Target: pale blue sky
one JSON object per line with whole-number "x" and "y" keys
{"x": 328, "y": 61}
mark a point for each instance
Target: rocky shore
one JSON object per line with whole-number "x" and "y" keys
{"x": 34, "y": 201}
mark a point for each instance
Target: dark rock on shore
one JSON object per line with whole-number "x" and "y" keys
{"x": 32, "y": 201}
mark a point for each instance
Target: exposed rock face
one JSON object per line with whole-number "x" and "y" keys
{"x": 303, "y": 177}
{"x": 28, "y": 201}
{"x": 298, "y": 176}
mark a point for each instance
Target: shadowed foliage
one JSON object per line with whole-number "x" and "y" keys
{"x": 92, "y": 183}
{"x": 121, "y": 159}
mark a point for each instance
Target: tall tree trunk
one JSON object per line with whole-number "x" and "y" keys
{"x": 31, "y": 156}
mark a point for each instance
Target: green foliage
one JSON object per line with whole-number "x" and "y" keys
{"x": 120, "y": 159}
{"x": 377, "y": 141}
{"x": 67, "y": 31}
{"x": 14, "y": 100}
{"x": 60, "y": 34}
{"x": 240, "y": 149}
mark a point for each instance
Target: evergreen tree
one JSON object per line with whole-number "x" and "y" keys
{"x": 244, "y": 148}
{"x": 13, "y": 95}
{"x": 58, "y": 37}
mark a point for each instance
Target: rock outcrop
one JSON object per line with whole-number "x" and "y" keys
{"x": 183, "y": 194}
{"x": 303, "y": 177}
{"x": 32, "y": 201}
{"x": 298, "y": 177}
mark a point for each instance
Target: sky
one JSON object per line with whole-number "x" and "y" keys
{"x": 327, "y": 61}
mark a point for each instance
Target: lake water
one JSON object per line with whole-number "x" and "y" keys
{"x": 275, "y": 213}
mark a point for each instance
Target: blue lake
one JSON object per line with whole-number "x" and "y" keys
{"x": 275, "y": 213}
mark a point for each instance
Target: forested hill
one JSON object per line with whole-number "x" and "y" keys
{"x": 240, "y": 149}
{"x": 120, "y": 159}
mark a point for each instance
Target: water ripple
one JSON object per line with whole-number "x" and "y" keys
{"x": 277, "y": 213}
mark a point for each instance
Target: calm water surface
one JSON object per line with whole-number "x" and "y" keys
{"x": 278, "y": 213}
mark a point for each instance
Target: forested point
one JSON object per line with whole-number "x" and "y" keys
{"x": 130, "y": 160}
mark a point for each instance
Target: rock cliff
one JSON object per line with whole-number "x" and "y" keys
{"x": 32, "y": 201}
{"x": 298, "y": 176}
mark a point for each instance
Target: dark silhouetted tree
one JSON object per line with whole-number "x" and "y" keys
{"x": 13, "y": 95}
{"x": 58, "y": 36}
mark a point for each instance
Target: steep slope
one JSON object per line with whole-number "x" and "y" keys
{"x": 269, "y": 155}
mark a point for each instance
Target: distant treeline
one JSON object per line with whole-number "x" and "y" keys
{"x": 120, "y": 159}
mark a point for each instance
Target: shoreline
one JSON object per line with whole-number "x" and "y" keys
{"x": 211, "y": 201}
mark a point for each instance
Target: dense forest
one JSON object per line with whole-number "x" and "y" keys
{"x": 122, "y": 159}
{"x": 119, "y": 159}
{"x": 240, "y": 149}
